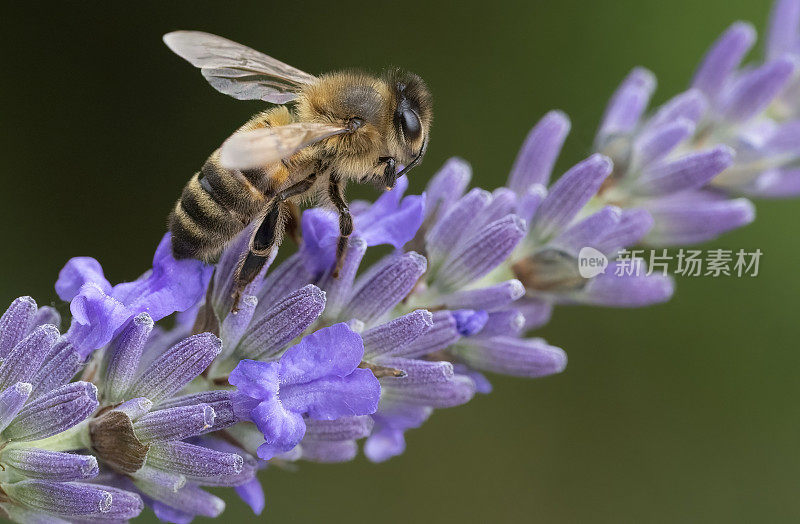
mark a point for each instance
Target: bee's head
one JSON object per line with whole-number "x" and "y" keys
{"x": 413, "y": 112}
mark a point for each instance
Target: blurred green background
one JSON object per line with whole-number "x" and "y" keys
{"x": 684, "y": 412}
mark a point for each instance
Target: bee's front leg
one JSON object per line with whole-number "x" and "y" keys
{"x": 389, "y": 171}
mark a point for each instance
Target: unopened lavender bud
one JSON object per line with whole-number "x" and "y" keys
{"x": 176, "y": 367}
{"x": 174, "y": 423}
{"x": 124, "y": 356}
{"x": 11, "y": 401}
{"x": 54, "y": 412}
{"x": 50, "y": 465}
{"x": 73, "y": 500}
{"x": 14, "y": 323}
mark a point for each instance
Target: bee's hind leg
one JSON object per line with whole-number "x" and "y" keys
{"x": 266, "y": 237}
{"x": 336, "y": 195}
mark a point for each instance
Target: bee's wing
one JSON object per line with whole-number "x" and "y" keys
{"x": 259, "y": 147}
{"x": 237, "y": 70}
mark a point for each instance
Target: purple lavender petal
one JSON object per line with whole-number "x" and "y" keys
{"x": 443, "y": 333}
{"x": 255, "y": 380}
{"x": 26, "y": 357}
{"x": 755, "y": 90}
{"x": 384, "y": 285}
{"x": 536, "y": 311}
{"x": 175, "y": 423}
{"x": 776, "y": 183}
{"x": 219, "y": 400}
{"x": 11, "y": 401}
{"x": 51, "y": 465}
{"x": 252, "y": 494}
{"x": 569, "y": 194}
{"x": 610, "y": 290}
{"x": 469, "y": 322}
{"x": 176, "y": 367}
{"x": 77, "y": 272}
{"x": 329, "y": 398}
{"x": 692, "y": 171}
{"x": 627, "y": 104}
{"x": 392, "y": 220}
{"x": 447, "y": 186}
{"x": 76, "y": 500}
{"x": 282, "y": 429}
{"x": 172, "y": 285}
{"x": 784, "y": 28}
{"x": 320, "y": 232}
{"x": 14, "y": 323}
{"x": 723, "y": 58}
{"x": 488, "y": 298}
{"x": 336, "y": 350}
{"x": 589, "y": 231}
{"x": 482, "y": 253}
{"x": 451, "y": 228}
{"x": 124, "y": 355}
{"x": 631, "y": 228}
{"x": 513, "y": 356}
{"x": 539, "y": 152}
{"x": 684, "y": 222}
{"x": 389, "y": 337}
{"x": 197, "y": 463}
{"x": 659, "y": 141}
{"x": 54, "y": 412}
{"x": 690, "y": 105}
{"x": 96, "y": 317}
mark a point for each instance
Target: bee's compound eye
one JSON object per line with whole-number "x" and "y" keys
{"x": 411, "y": 124}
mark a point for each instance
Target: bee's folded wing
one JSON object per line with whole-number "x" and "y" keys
{"x": 237, "y": 70}
{"x": 260, "y": 147}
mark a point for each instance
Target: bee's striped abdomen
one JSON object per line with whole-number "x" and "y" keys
{"x": 206, "y": 218}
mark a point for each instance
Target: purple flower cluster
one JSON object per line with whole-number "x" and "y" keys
{"x": 120, "y": 412}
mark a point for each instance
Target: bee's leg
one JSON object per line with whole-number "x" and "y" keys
{"x": 293, "y": 222}
{"x": 336, "y": 194}
{"x": 266, "y": 236}
{"x": 389, "y": 172}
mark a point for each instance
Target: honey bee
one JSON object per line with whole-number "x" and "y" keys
{"x": 340, "y": 126}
